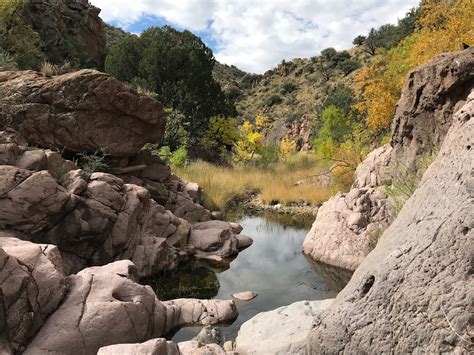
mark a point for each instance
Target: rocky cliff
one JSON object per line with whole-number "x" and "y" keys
{"x": 349, "y": 224}
{"x": 68, "y": 28}
{"x": 413, "y": 292}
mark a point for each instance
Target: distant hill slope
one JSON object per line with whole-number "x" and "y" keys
{"x": 290, "y": 95}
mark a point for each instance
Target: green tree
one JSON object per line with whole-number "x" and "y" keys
{"x": 177, "y": 66}
{"x": 221, "y": 136}
{"x": 16, "y": 37}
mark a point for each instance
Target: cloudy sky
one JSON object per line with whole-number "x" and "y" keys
{"x": 255, "y": 35}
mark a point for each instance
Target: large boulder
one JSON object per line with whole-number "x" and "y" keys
{"x": 432, "y": 93}
{"x": 348, "y": 226}
{"x": 84, "y": 111}
{"x": 281, "y": 331}
{"x": 32, "y": 285}
{"x": 105, "y": 306}
{"x": 158, "y": 346}
{"x": 347, "y": 223}
{"x": 413, "y": 293}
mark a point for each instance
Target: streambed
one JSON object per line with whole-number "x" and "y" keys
{"x": 273, "y": 267}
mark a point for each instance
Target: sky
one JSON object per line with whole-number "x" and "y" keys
{"x": 256, "y": 35}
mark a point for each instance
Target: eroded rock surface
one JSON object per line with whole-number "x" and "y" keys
{"x": 349, "y": 224}
{"x": 100, "y": 218}
{"x": 158, "y": 346}
{"x": 346, "y": 223}
{"x": 32, "y": 285}
{"x": 63, "y": 24}
{"x": 280, "y": 331}
{"x": 84, "y": 111}
{"x": 414, "y": 291}
{"x": 105, "y": 306}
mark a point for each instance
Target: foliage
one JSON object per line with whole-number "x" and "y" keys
{"x": 341, "y": 97}
{"x": 388, "y": 36}
{"x": 336, "y": 125}
{"x": 164, "y": 153}
{"x": 442, "y": 27}
{"x": 288, "y": 87}
{"x": 286, "y": 148}
{"x": 250, "y": 145}
{"x": 16, "y": 37}
{"x": 48, "y": 69}
{"x": 91, "y": 163}
{"x": 273, "y": 100}
{"x": 7, "y": 62}
{"x": 178, "y": 158}
{"x": 220, "y": 137}
{"x": 178, "y": 67}
{"x": 348, "y": 66}
{"x": 176, "y": 133}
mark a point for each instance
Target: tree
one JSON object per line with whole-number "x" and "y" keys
{"x": 221, "y": 136}
{"x": 17, "y": 38}
{"x": 286, "y": 148}
{"x": 348, "y": 66}
{"x": 177, "y": 66}
{"x": 328, "y": 53}
{"x": 250, "y": 145}
{"x": 359, "y": 40}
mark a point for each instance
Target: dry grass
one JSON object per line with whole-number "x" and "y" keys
{"x": 275, "y": 184}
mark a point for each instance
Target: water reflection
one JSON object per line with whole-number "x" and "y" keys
{"x": 273, "y": 267}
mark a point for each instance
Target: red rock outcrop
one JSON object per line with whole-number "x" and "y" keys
{"x": 84, "y": 111}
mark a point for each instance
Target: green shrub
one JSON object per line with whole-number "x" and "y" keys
{"x": 16, "y": 37}
{"x": 273, "y": 100}
{"x": 7, "y": 62}
{"x": 91, "y": 163}
{"x": 288, "y": 87}
{"x": 178, "y": 158}
{"x": 164, "y": 153}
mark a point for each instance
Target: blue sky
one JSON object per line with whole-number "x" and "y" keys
{"x": 255, "y": 35}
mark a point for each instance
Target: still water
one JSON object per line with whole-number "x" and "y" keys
{"x": 273, "y": 267}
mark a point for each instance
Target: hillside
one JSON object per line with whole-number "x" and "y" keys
{"x": 292, "y": 94}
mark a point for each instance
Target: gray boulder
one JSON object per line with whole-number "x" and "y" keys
{"x": 348, "y": 226}
{"x": 413, "y": 293}
{"x": 158, "y": 346}
{"x": 281, "y": 331}
{"x": 32, "y": 285}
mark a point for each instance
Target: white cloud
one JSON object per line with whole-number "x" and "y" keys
{"x": 255, "y": 35}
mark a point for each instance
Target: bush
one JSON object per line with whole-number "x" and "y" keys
{"x": 273, "y": 100}
{"x": 91, "y": 163}
{"x": 7, "y": 62}
{"x": 288, "y": 87}
{"x": 178, "y": 158}
{"x": 348, "y": 66}
{"x": 16, "y": 37}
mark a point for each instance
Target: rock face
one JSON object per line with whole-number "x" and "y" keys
{"x": 32, "y": 284}
{"x": 158, "y": 346}
{"x": 349, "y": 225}
{"x": 431, "y": 95}
{"x": 66, "y": 25}
{"x": 142, "y": 213}
{"x": 105, "y": 306}
{"x": 413, "y": 292}
{"x": 344, "y": 225}
{"x": 84, "y": 111}
{"x": 281, "y": 331}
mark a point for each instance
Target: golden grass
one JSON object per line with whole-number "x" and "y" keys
{"x": 275, "y": 184}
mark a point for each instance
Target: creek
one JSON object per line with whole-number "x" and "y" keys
{"x": 274, "y": 267}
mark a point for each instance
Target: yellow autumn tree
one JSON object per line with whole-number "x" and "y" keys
{"x": 286, "y": 148}
{"x": 249, "y": 145}
{"x": 443, "y": 26}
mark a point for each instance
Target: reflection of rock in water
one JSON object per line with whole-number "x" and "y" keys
{"x": 191, "y": 281}
{"x": 336, "y": 278}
